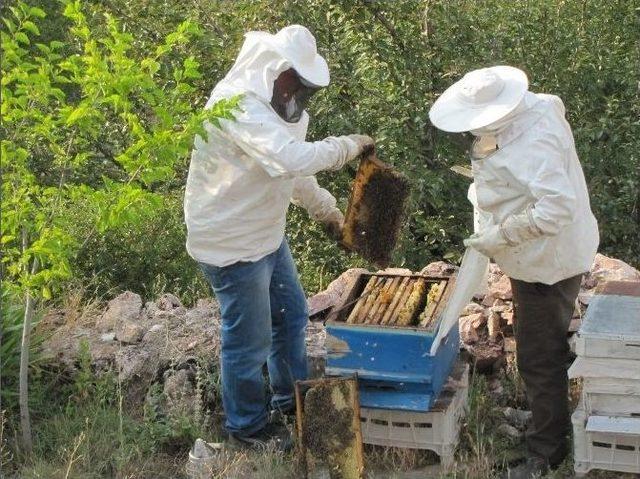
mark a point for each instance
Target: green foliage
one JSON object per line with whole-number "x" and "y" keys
{"x": 388, "y": 60}
{"x": 89, "y": 123}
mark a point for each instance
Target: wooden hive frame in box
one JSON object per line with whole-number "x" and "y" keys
{"x": 394, "y": 300}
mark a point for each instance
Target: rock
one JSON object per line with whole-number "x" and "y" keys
{"x": 156, "y": 328}
{"x": 477, "y": 319}
{"x": 488, "y": 300}
{"x": 129, "y": 333}
{"x": 469, "y": 326}
{"x": 493, "y": 325}
{"x": 180, "y": 392}
{"x": 496, "y": 387}
{"x": 611, "y": 269}
{"x": 585, "y": 297}
{"x": 438, "y": 268}
{"x": 508, "y": 317}
{"x": 468, "y": 333}
{"x": 207, "y": 311}
{"x": 485, "y": 355}
{"x": 107, "y": 337}
{"x": 137, "y": 368}
{"x": 168, "y": 301}
{"x": 125, "y": 307}
{"x": 501, "y": 289}
{"x": 517, "y": 417}
{"x": 509, "y": 345}
{"x": 575, "y": 324}
{"x": 329, "y": 297}
{"x": 509, "y": 431}
{"x": 472, "y": 308}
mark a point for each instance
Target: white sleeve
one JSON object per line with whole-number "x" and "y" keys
{"x": 554, "y": 204}
{"x": 319, "y": 203}
{"x": 261, "y": 134}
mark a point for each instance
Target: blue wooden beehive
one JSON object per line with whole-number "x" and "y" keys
{"x": 393, "y": 362}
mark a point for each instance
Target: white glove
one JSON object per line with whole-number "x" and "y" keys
{"x": 514, "y": 230}
{"x": 363, "y": 142}
{"x": 520, "y": 227}
{"x": 356, "y": 144}
{"x": 488, "y": 242}
{"x": 333, "y": 224}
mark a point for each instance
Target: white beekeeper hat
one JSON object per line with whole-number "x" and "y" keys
{"x": 297, "y": 45}
{"x": 479, "y": 99}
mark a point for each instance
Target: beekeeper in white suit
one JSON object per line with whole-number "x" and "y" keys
{"x": 535, "y": 223}
{"x": 241, "y": 181}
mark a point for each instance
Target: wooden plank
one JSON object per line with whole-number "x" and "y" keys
{"x": 386, "y": 319}
{"x": 621, "y": 288}
{"x": 429, "y": 312}
{"x": 449, "y": 286}
{"x": 370, "y": 300}
{"x": 363, "y": 297}
{"x": 410, "y": 308}
{"x": 401, "y": 303}
{"x": 395, "y": 283}
{"x": 381, "y": 302}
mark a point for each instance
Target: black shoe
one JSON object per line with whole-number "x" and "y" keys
{"x": 274, "y": 436}
{"x": 533, "y": 468}
{"x": 284, "y": 415}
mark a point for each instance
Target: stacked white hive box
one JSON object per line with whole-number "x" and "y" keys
{"x": 436, "y": 430}
{"x": 606, "y": 424}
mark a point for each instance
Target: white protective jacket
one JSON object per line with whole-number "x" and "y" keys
{"x": 535, "y": 174}
{"x": 242, "y": 179}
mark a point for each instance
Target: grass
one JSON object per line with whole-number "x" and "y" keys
{"x": 81, "y": 432}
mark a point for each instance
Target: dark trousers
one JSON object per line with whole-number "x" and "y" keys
{"x": 542, "y": 316}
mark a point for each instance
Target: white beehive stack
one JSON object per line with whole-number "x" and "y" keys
{"x": 606, "y": 424}
{"x": 436, "y": 430}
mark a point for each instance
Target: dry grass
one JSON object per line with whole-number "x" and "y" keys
{"x": 396, "y": 459}
{"x": 226, "y": 464}
{"x": 78, "y": 309}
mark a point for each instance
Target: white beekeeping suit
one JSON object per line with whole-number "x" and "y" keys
{"x": 528, "y": 182}
{"x": 242, "y": 179}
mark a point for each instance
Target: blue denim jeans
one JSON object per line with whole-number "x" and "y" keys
{"x": 264, "y": 317}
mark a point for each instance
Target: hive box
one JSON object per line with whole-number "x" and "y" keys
{"x": 611, "y": 327}
{"x": 393, "y": 363}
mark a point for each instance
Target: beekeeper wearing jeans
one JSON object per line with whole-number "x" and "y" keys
{"x": 536, "y": 224}
{"x": 241, "y": 181}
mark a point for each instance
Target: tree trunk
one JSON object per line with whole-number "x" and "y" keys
{"x": 25, "y": 420}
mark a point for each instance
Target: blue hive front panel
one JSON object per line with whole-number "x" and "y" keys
{"x": 394, "y": 367}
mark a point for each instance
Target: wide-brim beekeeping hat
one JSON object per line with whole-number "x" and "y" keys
{"x": 479, "y": 98}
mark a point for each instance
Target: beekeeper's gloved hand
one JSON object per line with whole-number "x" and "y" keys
{"x": 333, "y": 224}
{"x": 521, "y": 227}
{"x": 514, "y": 230}
{"x": 487, "y": 242}
{"x": 363, "y": 142}
{"x": 356, "y": 145}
